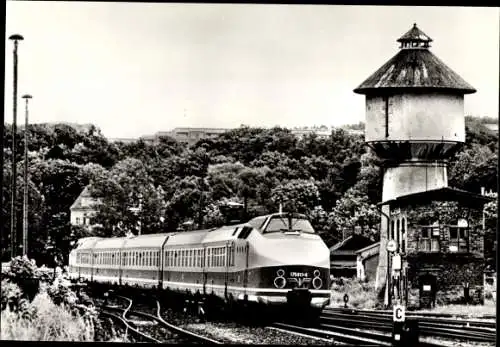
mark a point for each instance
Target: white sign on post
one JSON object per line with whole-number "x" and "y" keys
{"x": 398, "y": 313}
{"x": 396, "y": 262}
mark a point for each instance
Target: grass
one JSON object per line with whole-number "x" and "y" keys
{"x": 489, "y": 308}
{"x": 361, "y": 294}
{"x": 44, "y": 321}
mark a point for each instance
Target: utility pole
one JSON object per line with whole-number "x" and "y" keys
{"x": 13, "y": 237}
{"x": 25, "y": 200}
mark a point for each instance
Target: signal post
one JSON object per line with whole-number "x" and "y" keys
{"x": 404, "y": 332}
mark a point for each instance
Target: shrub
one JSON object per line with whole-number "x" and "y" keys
{"x": 47, "y": 322}
{"x": 11, "y": 294}
{"x": 361, "y": 294}
{"x": 23, "y": 272}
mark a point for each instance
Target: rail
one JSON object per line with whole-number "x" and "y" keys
{"x": 130, "y": 328}
{"x": 435, "y": 327}
{"x": 194, "y": 337}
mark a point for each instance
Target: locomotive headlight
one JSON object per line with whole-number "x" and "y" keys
{"x": 279, "y": 280}
{"x": 317, "y": 283}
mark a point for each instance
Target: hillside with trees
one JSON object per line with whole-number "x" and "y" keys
{"x": 336, "y": 181}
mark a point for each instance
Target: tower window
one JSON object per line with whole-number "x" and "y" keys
{"x": 429, "y": 239}
{"x": 386, "y": 111}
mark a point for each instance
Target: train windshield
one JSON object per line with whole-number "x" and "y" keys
{"x": 285, "y": 224}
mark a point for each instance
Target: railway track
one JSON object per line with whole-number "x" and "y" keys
{"x": 463, "y": 330}
{"x": 168, "y": 332}
{"x": 344, "y": 334}
{"x": 410, "y": 313}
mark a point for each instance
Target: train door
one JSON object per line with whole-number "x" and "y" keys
{"x": 163, "y": 258}
{"x": 92, "y": 262}
{"x": 245, "y": 271}
{"x": 227, "y": 258}
{"x": 204, "y": 270}
{"x": 78, "y": 264}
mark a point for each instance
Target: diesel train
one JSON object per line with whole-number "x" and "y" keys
{"x": 276, "y": 259}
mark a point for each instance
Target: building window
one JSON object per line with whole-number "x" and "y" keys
{"x": 403, "y": 236}
{"x": 392, "y": 229}
{"x": 387, "y": 106}
{"x": 429, "y": 239}
{"x": 77, "y": 220}
{"x": 459, "y": 239}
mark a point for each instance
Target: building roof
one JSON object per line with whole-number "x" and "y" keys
{"x": 415, "y": 34}
{"x": 368, "y": 248}
{"x": 440, "y": 194}
{"x": 77, "y": 205}
{"x": 415, "y": 68}
{"x": 351, "y": 243}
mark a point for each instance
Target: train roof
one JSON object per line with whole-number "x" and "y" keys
{"x": 146, "y": 241}
{"x": 87, "y": 242}
{"x": 112, "y": 242}
{"x": 188, "y": 237}
{"x": 223, "y": 233}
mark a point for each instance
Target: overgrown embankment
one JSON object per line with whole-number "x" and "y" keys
{"x": 38, "y": 305}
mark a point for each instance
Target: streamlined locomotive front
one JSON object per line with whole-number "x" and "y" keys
{"x": 291, "y": 261}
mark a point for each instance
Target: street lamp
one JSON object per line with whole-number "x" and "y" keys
{"x": 25, "y": 200}
{"x": 13, "y": 237}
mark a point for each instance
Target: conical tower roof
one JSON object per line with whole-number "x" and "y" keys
{"x": 415, "y": 67}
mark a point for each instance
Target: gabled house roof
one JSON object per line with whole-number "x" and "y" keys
{"x": 77, "y": 205}
{"x": 351, "y": 244}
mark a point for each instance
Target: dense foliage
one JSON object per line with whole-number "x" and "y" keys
{"x": 334, "y": 180}
{"x": 38, "y": 306}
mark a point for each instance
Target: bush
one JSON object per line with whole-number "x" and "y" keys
{"x": 22, "y": 285}
{"x": 11, "y": 294}
{"x": 23, "y": 272}
{"x": 361, "y": 294}
{"x": 47, "y": 322}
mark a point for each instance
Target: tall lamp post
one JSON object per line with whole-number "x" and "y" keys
{"x": 25, "y": 200}
{"x": 13, "y": 237}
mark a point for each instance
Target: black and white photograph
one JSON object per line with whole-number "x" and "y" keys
{"x": 250, "y": 173}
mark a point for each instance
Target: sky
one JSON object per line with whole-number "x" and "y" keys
{"x": 133, "y": 69}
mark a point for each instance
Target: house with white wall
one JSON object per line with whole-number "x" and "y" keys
{"x": 84, "y": 208}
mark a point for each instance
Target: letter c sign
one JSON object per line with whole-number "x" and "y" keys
{"x": 398, "y": 313}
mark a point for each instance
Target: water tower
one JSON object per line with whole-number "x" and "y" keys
{"x": 414, "y": 123}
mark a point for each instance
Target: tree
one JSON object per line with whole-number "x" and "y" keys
{"x": 296, "y": 196}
